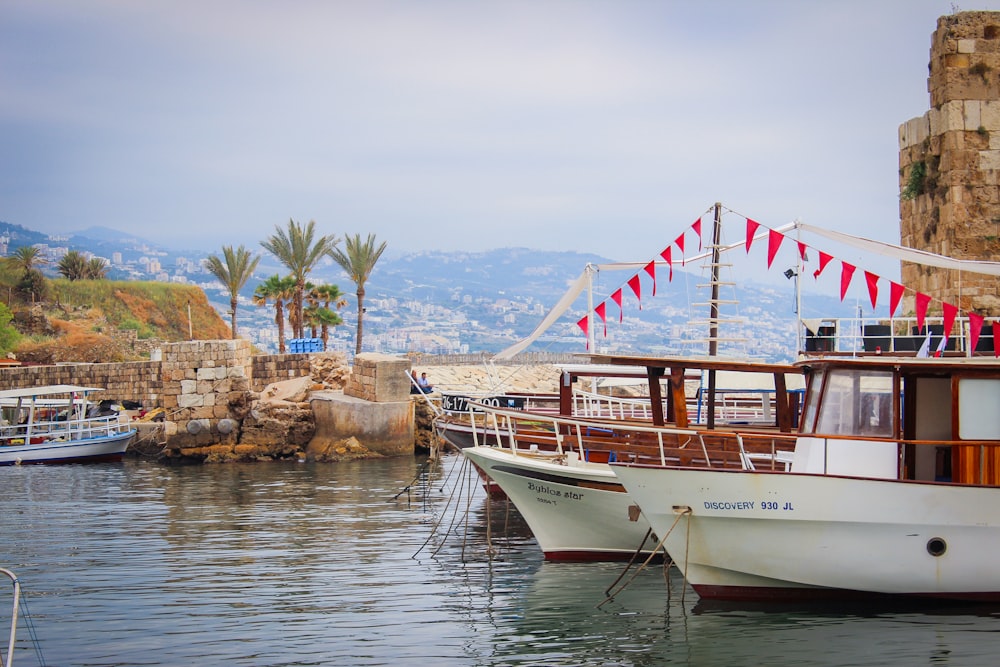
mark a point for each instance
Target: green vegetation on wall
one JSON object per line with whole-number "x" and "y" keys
{"x": 915, "y": 182}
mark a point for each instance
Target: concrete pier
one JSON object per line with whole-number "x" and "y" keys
{"x": 375, "y": 407}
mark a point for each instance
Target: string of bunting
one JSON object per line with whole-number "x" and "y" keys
{"x": 774, "y": 241}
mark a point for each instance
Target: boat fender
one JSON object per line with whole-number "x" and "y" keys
{"x": 226, "y": 426}
{"x": 194, "y": 427}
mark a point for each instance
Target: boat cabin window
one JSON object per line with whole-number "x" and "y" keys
{"x": 978, "y": 417}
{"x": 844, "y": 401}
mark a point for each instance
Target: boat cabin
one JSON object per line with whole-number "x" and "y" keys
{"x": 780, "y": 402}
{"x": 901, "y": 418}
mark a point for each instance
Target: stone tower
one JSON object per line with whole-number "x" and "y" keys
{"x": 949, "y": 164}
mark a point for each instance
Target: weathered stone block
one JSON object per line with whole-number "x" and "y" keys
{"x": 190, "y": 400}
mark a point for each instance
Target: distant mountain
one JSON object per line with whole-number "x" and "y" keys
{"x": 105, "y": 234}
{"x": 516, "y": 272}
{"x": 20, "y": 236}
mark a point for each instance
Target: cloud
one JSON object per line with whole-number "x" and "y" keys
{"x": 599, "y": 126}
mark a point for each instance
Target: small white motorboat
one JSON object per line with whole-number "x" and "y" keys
{"x": 59, "y": 424}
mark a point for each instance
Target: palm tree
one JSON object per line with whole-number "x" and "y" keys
{"x": 97, "y": 269}
{"x": 320, "y": 298}
{"x": 299, "y": 252}
{"x": 27, "y": 259}
{"x": 234, "y": 273}
{"x": 358, "y": 261}
{"x": 279, "y": 290}
{"x": 73, "y": 266}
{"x": 325, "y": 318}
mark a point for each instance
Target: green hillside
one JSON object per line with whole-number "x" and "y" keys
{"x": 153, "y": 309}
{"x": 106, "y": 321}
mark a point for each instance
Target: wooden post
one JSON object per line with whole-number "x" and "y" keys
{"x": 655, "y": 396}
{"x": 566, "y": 394}
{"x": 679, "y": 401}
{"x": 781, "y": 404}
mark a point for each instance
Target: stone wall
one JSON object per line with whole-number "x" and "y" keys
{"x": 270, "y": 368}
{"x": 954, "y": 208}
{"x": 205, "y": 384}
{"x": 204, "y": 389}
{"x": 482, "y": 358}
{"x": 380, "y": 378}
{"x": 143, "y": 380}
{"x": 136, "y": 380}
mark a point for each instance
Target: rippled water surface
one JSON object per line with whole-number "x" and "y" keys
{"x": 318, "y": 564}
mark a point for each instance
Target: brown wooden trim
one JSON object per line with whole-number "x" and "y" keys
{"x": 781, "y": 404}
{"x": 679, "y": 398}
{"x": 655, "y": 395}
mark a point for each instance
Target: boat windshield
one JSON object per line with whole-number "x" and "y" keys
{"x": 849, "y": 402}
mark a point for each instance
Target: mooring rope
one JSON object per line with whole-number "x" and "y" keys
{"x": 406, "y": 489}
{"x": 611, "y": 596}
{"x": 437, "y": 524}
{"x": 631, "y": 560}
{"x": 30, "y": 624}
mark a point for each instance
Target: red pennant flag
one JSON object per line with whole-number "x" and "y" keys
{"x": 949, "y": 318}
{"x": 583, "y": 325}
{"x": 774, "y": 240}
{"x": 636, "y": 285}
{"x": 602, "y": 313}
{"x": 824, "y": 259}
{"x": 975, "y": 327}
{"x": 802, "y": 251}
{"x": 996, "y": 336}
{"x": 679, "y": 241}
{"x": 697, "y": 230}
{"x": 666, "y": 257}
{"x": 651, "y": 272}
{"x": 846, "y": 273}
{"x": 895, "y": 296}
{"x": 872, "y": 281}
{"x": 752, "y": 226}
{"x": 617, "y": 298}
{"x": 921, "y": 300}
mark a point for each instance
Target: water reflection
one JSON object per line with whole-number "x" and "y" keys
{"x": 313, "y": 564}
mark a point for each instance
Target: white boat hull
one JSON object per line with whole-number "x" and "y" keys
{"x": 577, "y": 511}
{"x": 105, "y": 448}
{"x": 762, "y": 535}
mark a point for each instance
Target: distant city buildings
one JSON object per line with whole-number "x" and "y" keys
{"x": 407, "y": 311}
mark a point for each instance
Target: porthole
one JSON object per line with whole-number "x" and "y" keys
{"x": 936, "y": 546}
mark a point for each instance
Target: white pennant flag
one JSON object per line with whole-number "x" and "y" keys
{"x": 925, "y": 347}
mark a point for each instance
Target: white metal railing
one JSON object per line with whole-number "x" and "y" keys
{"x": 592, "y": 404}
{"x": 80, "y": 428}
{"x": 571, "y": 434}
{"x": 896, "y": 335}
{"x": 13, "y": 618}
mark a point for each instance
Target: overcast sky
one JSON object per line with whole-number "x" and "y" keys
{"x": 595, "y": 126}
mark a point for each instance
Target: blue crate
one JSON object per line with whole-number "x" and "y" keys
{"x": 304, "y": 345}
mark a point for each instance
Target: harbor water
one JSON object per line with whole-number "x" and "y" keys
{"x": 140, "y": 563}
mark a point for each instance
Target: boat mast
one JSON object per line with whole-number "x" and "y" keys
{"x": 591, "y": 338}
{"x": 713, "y": 318}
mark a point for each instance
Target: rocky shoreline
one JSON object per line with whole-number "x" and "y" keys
{"x": 278, "y": 423}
